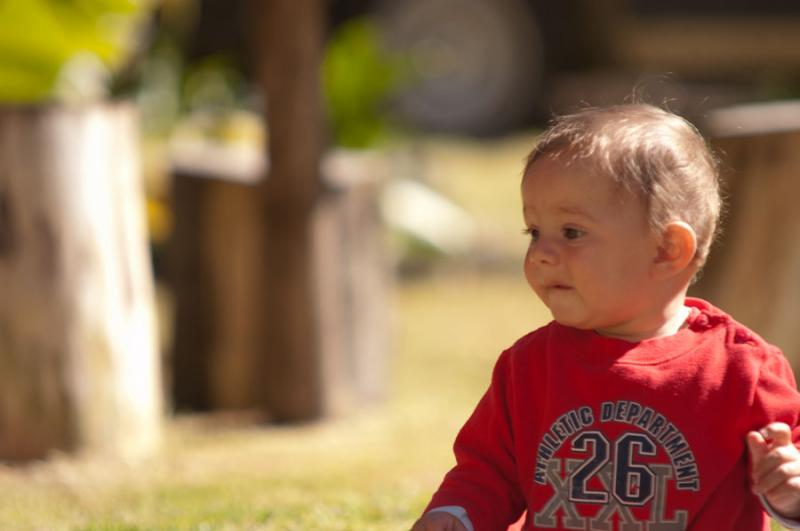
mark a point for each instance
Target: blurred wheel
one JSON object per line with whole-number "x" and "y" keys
{"x": 475, "y": 66}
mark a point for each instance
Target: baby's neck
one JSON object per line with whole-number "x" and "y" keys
{"x": 671, "y": 323}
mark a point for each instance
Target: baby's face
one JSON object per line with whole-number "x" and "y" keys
{"x": 591, "y": 250}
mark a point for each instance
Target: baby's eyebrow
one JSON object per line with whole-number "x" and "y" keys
{"x": 567, "y": 209}
{"x": 576, "y": 211}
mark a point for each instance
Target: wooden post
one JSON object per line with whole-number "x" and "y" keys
{"x": 79, "y": 368}
{"x": 753, "y": 269}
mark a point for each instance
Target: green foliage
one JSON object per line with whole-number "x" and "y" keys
{"x": 358, "y": 78}
{"x": 57, "y": 49}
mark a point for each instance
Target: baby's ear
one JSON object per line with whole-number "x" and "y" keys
{"x": 676, "y": 250}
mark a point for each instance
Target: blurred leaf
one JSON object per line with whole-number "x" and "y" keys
{"x": 358, "y": 77}
{"x": 39, "y": 37}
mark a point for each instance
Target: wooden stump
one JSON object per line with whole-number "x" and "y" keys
{"x": 218, "y": 263}
{"x": 220, "y": 256}
{"x": 351, "y": 270}
{"x": 754, "y": 269}
{"x": 79, "y": 368}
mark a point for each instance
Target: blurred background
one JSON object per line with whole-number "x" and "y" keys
{"x": 257, "y": 258}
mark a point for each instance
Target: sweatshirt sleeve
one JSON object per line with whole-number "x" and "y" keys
{"x": 777, "y": 400}
{"x": 776, "y": 396}
{"x": 484, "y": 480}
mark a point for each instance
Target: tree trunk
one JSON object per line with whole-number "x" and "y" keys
{"x": 290, "y": 59}
{"x": 79, "y": 368}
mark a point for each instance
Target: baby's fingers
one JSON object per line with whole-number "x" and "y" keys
{"x": 757, "y": 447}
{"x": 784, "y": 476}
{"x": 769, "y": 447}
{"x": 774, "y": 466}
{"x": 777, "y": 434}
{"x": 785, "y": 498}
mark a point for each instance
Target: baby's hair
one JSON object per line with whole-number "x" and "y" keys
{"x": 657, "y": 155}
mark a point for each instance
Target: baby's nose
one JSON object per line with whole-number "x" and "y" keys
{"x": 543, "y": 252}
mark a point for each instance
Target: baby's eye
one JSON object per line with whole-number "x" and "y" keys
{"x": 533, "y": 233}
{"x": 572, "y": 233}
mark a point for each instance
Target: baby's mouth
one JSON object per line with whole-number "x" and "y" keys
{"x": 554, "y": 285}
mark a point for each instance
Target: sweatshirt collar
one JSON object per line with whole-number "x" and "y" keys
{"x": 592, "y": 347}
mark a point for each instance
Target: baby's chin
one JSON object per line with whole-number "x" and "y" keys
{"x": 568, "y": 309}
{"x": 581, "y": 323}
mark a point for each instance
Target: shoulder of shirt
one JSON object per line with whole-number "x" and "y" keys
{"x": 738, "y": 337}
{"x": 533, "y": 341}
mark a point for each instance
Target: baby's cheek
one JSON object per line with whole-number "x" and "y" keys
{"x": 530, "y": 274}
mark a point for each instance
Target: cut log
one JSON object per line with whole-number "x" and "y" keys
{"x": 220, "y": 259}
{"x": 218, "y": 264}
{"x": 79, "y": 367}
{"x": 352, "y": 283}
{"x": 753, "y": 268}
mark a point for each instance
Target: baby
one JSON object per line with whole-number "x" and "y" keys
{"x": 637, "y": 407}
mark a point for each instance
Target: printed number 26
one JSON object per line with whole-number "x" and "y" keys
{"x": 632, "y": 484}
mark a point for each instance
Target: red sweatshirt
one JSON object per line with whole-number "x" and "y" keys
{"x": 589, "y": 432}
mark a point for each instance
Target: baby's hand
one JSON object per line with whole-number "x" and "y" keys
{"x": 775, "y": 463}
{"x": 438, "y": 522}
